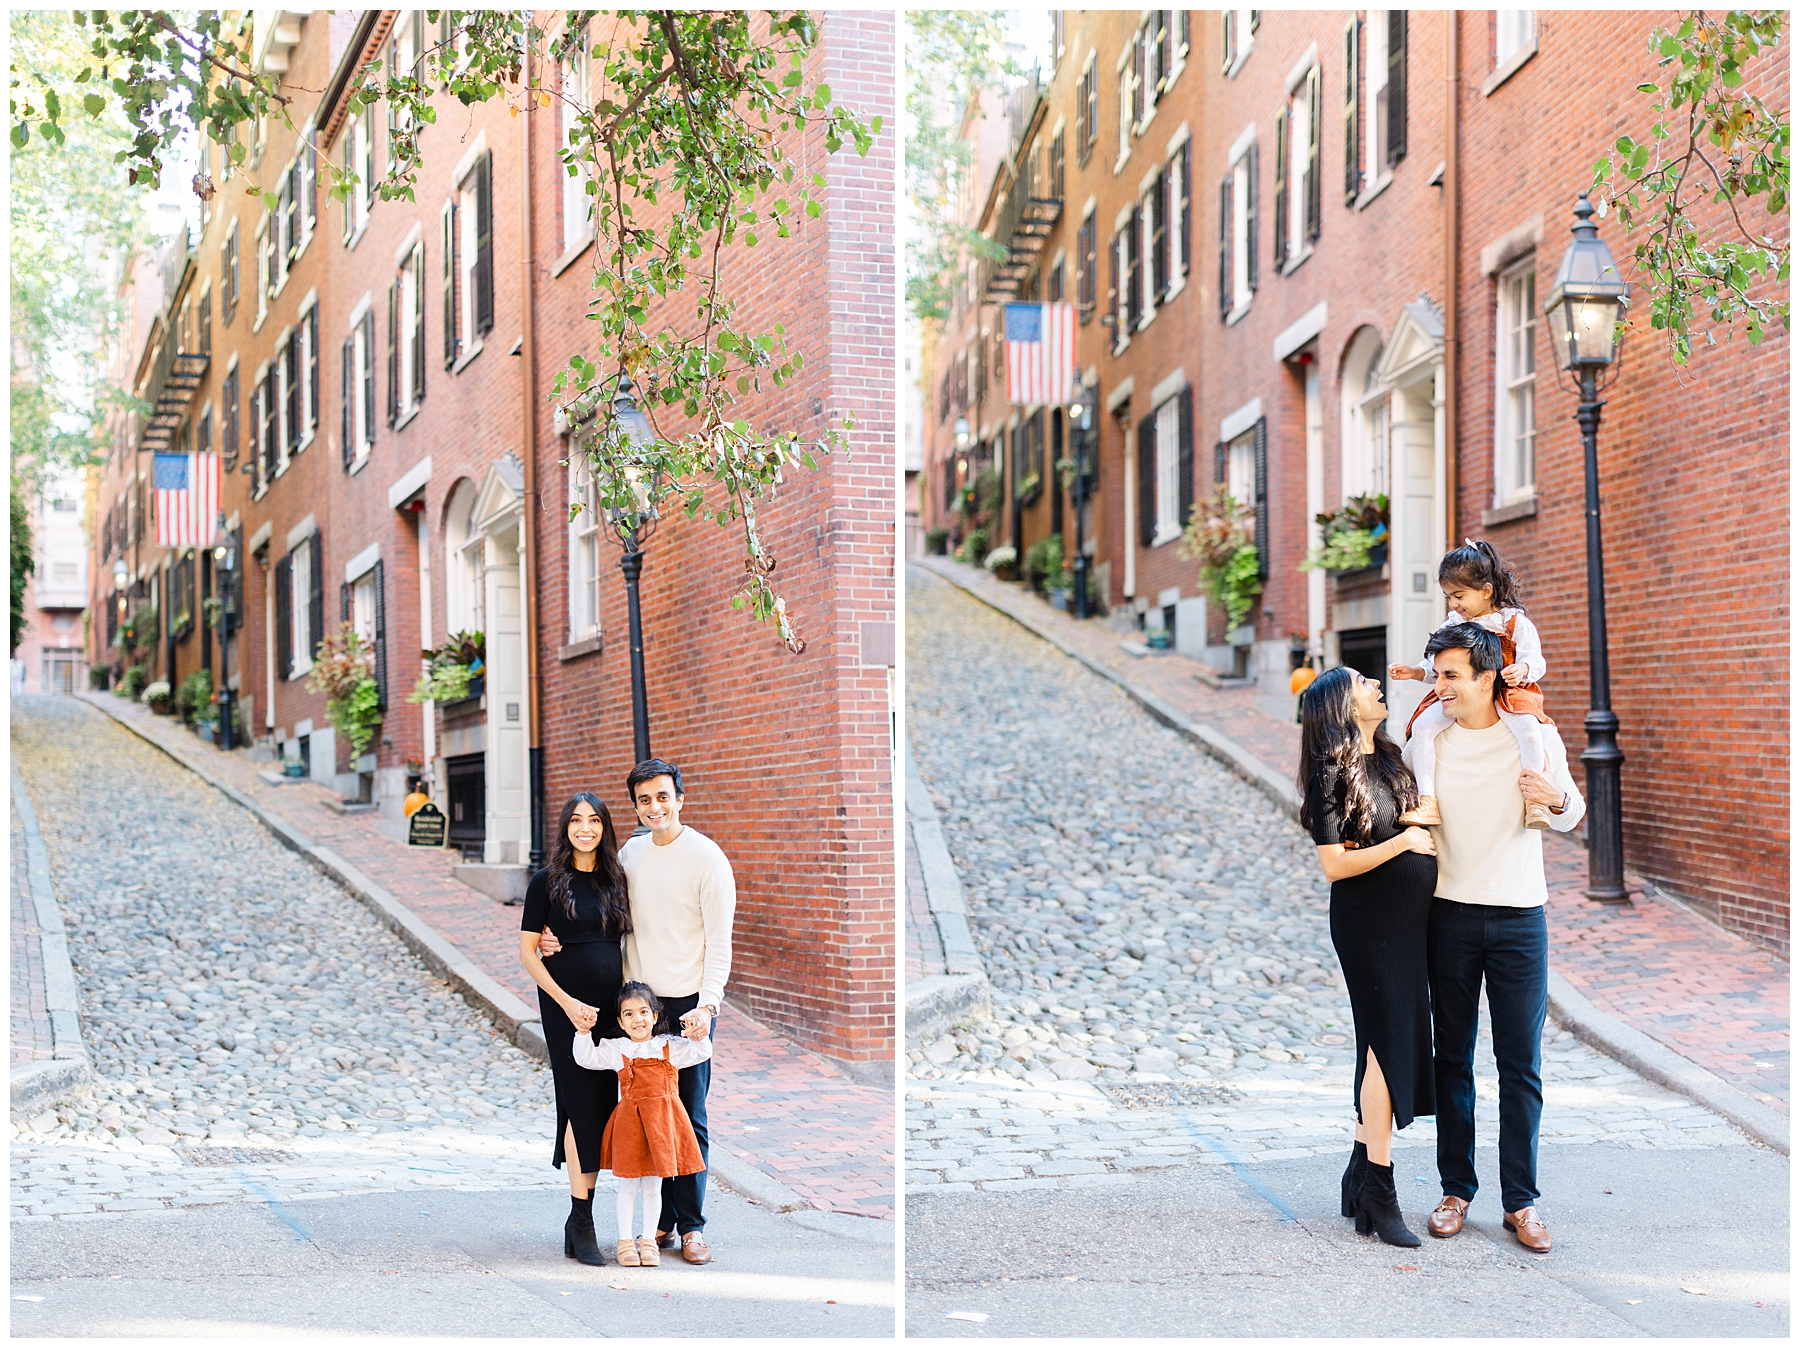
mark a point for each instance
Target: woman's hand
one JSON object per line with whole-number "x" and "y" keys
{"x": 581, "y": 1015}
{"x": 1405, "y": 672}
{"x": 1419, "y": 840}
{"x": 548, "y": 945}
{"x": 1515, "y": 674}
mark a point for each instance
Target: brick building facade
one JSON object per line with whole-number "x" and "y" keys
{"x": 1310, "y": 264}
{"x": 395, "y": 463}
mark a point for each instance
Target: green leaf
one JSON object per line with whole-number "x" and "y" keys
{"x": 94, "y": 104}
{"x": 21, "y": 133}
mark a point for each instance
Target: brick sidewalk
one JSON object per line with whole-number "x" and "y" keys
{"x": 772, "y": 1103}
{"x": 32, "y": 1038}
{"x": 1695, "y": 988}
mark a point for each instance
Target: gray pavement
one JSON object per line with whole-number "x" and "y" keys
{"x": 1168, "y": 1018}
{"x": 1199, "y": 1251}
{"x": 264, "y": 1050}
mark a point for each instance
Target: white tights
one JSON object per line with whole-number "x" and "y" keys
{"x": 629, "y": 1189}
{"x": 1432, "y": 722}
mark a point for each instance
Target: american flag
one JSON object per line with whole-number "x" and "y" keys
{"x": 1040, "y": 353}
{"x": 187, "y": 500}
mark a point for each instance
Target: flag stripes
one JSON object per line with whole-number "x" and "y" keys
{"x": 1040, "y": 353}
{"x": 187, "y": 499}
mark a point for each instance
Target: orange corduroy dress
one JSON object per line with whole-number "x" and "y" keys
{"x": 1527, "y": 697}
{"x": 649, "y": 1133}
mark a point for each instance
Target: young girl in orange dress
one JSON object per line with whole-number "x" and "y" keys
{"x": 648, "y": 1138}
{"x": 1482, "y": 589}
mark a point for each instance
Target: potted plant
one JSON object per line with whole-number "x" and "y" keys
{"x": 1355, "y": 534}
{"x": 1044, "y": 559}
{"x": 1027, "y": 489}
{"x": 192, "y": 693}
{"x": 937, "y": 542}
{"x": 455, "y": 671}
{"x": 1003, "y": 562}
{"x": 344, "y": 672}
{"x": 157, "y": 697}
{"x": 293, "y": 767}
{"x": 1219, "y": 536}
{"x": 973, "y": 548}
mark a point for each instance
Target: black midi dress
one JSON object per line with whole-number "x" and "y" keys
{"x": 590, "y": 967}
{"x": 1378, "y": 925}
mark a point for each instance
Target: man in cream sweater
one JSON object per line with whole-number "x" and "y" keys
{"x": 1487, "y": 921}
{"x": 682, "y": 900}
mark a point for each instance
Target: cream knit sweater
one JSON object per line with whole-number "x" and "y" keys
{"x": 682, "y": 901}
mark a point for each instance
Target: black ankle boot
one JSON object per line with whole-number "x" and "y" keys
{"x": 1359, "y": 1157}
{"x": 1378, "y": 1207}
{"x": 578, "y": 1232}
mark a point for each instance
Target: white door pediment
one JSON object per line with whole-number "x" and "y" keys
{"x": 1417, "y": 344}
{"x": 501, "y": 497}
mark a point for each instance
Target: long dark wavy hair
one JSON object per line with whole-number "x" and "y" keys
{"x": 1332, "y": 774}
{"x": 608, "y": 875}
{"x": 1478, "y": 562}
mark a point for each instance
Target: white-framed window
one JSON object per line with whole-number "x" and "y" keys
{"x": 230, "y": 288}
{"x": 285, "y": 395}
{"x": 475, "y": 253}
{"x": 306, "y": 372}
{"x": 1515, "y": 406}
{"x": 576, "y": 227}
{"x": 1383, "y": 100}
{"x": 1087, "y": 108}
{"x": 301, "y": 637}
{"x": 1153, "y": 220}
{"x": 408, "y": 320}
{"x": 1240, "y": 469}
{"x": 1179, "y": 177}
{"x": 1240, "y": 27}
{"x": 1514, "y": 30}
{"x": 1168, "y": 472}
{"x": 1237, "y": 231}
{"x": 357, "y": 386}
{"x": 584, "y": 548}
{"x": 308, "y": 182}
{"x": 1363, "y": 461}
{"x": 362, "y": 606}
{"x": 359, "y": 159}
{"x": 1127, "y": 69}
{"x": 1298, "y": 198}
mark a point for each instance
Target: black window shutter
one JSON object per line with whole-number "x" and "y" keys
{"x": 1118, "y": 294}
{"x": 1315, "y": 89}
{"x": 292, "y": 353}
{"x": 1225, "y": 245}
{"x": 1134, "y": 279}
{"x": 344, "y": 609}
{"x": 1281, "y": 189}
{"x": 315, "y": 617}
{"x": 418, "y": 322}
{"x": 393, "y": 352}
{"x": 1139, "y": 47}
{"x": 1352, "y": 159}
{"x": 284, "y": 621}
{"x": 484, "y": 242}
{"x": 368, "y": 375}
{"x": 347, "y": 444}
{"x": 1146, "y": 483}
{"x": 313, "y": 364}
{"x": 449, "y": 286}
{"x": 1262, "y": 497}
{"x": 1186, "y": 499}
{"x": 1159, "y": 238}
{"x": 234, "y": 583}
{"x": 1396, "y": 90}
{"x": 380, "y": 639}
{"x": 1250, "y": 230}
{"x": 1221, "y": 471}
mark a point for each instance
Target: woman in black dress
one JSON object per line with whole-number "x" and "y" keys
{"x": 580, "y": 896}
{"x": 1353, "y": 788}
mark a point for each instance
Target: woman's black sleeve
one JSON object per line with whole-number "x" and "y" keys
{"x": 537, "y": 903}
{"x": 1328, "y": 821}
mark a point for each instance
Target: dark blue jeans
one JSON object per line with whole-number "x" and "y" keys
{"x": 1510, "y": 948}
{"x": 684, "y": 1196}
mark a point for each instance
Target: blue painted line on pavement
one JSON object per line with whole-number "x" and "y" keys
{"x": 300, "y": 1232}
{"x": 1242, "y": 1171}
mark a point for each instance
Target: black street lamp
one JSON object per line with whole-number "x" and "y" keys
{"x": 226, "y": 566}
{"x": 633, "y": 529}
{"x": 1081, "y": 422}
{"x": 1586, "y": 308}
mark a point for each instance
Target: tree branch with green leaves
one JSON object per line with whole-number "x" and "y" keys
{"x": 687, "y": 152}
{"x": 1712, "y": 143}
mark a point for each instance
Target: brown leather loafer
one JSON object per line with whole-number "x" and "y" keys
{"x": 694, "y": 1248}
{"x": 1530, "y": 1229}
{"x": 1447, "y": 1217}
{"x": 667, "y": 1240}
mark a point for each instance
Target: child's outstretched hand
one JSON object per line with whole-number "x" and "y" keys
{"x": 1405, "y": 672}
{"x": 1515, "y": 674}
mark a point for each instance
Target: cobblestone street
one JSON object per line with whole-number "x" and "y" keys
{"x": 1165, "y": 994}
{"x": 259, "y": 1039}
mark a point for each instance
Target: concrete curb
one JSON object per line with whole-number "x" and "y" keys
{"x": 939, "y": 1001}
{"x": 69, "y": 1066}
{"x": 1664, "y": 1066}
{"x": 516, "y": 1020}
{"x": 1219, "y": 745}
{"x": 1611, "y": 1036}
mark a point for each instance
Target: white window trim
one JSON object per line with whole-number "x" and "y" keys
{"x": 361, "y": 564}
{"x": 264, "y": 263}
{"x": 579, "y": 582}
{"x": 1242, "y": 295}
{"x": 1508, "y": 490}
{"x": 470, "y": 340}
{"x": 1168, "y": 475}
{"x": 1508, "y": 66}
{"x": 1122, "y": 67}
{"x": 1297, "y": 166}
{"x": 1245, "y": 41}
{"x": 365, "y": 442}
{"x": 300, "y": 661}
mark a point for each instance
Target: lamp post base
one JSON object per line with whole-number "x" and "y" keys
{"x": 1606, "y": 841}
